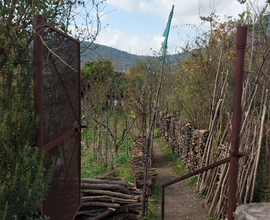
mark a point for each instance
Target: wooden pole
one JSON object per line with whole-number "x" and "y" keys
{"x": 148, "y": 143}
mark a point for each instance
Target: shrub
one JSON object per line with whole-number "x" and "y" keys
{"x": 156, "y": 133}
{"x": 25, "y": 183}
{"x": 192, "y": 181}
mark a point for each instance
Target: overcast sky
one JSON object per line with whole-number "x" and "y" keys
{"x": 136, "y": 26}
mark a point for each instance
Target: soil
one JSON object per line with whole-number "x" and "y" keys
{"x": 181, "y": 200}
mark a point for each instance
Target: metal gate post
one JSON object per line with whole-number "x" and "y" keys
{"x": 38, "y": 77}
{"x": 236, "y": 121}
{"x": 162, "y": 203}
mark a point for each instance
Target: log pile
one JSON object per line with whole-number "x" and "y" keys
{"x": 164, "y": 124}
{"x": 184, "y": 140}
{"x": 108, "y": 197}
{"x": 195, "y": 155}
{"x": 174, "y": 136}
{"x": 188, "y": 145}
{"x": 137, "y": 163}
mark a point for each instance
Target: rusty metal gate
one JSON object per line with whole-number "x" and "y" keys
{"x": 57, "y": 102}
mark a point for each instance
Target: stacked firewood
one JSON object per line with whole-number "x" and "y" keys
{"x": 137, "y": 163}
{"x": 188, "y": 145}
{"x": 195, "y": 154}
{"x": 184, "y": 140}
{"x": 109, "y": 197}
{"x": 164, "y": 124}
{"x": 174, "y": 135}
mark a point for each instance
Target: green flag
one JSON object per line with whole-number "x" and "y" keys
{"x": 166, "y": 32}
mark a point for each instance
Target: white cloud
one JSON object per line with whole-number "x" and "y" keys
{"x": 145, "y": 7}
{"x": 129, "y": 5}
{"x": 185, "y": 12}
{"x": 130, "y": 43}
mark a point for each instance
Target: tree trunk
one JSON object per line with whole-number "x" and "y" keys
{"x": 94, "y": 140}
{"x": 99, "y": 136}
{"x": 106, "y": 140}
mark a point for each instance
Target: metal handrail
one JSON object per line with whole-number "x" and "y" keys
{"x": 213, "y": 165}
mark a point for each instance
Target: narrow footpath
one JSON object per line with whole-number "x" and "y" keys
{"x": 181, "y": 201}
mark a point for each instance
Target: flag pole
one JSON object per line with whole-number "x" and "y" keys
{"x": 148, "y": 143}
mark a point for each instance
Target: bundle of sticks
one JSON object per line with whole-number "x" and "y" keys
{"x": 137, "y": 162}
{"x": 214, "y": 184}
{"x": 109, "y": 197}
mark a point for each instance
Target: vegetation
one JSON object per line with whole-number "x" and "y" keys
{"x": 215, "y": 217}
{"x": 121, "y": 60}
{"x": 116, "y": 105}
{"x": 199, "y": 88}
{"x": 22, "y": 179}
{"x": 119, "y": 163}
{"x": 173, "y": 160}
{"x": 24, "y": 174}
{"x": 25, "y": 183}
{"x": 156, "y": 133}
{"x": 153, "y": 202}
{"x": 192, "y": 181}
{"x": 201, "y": 196}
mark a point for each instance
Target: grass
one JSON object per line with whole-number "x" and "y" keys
{"x": 156, "y": 133}
{"x": 123, "y": 167}
{"x": 215, "y": 217}
{"x": 174, "y": 161}
{"x": 192, "y": 181}
{"x": 90, "y": 168}
{"x": 125, "y": 172}
{"x": 201, "y": 197}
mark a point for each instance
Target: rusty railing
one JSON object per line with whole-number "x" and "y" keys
{"x": 190, "y": 175}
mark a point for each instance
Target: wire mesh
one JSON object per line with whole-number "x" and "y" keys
{"x": 63, "y": 197}
{"x": 61, "y": 85}
{"x": 61, "y": 112}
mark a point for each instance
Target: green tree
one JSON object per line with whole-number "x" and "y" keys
{"x": 96, "y": 75}
{"x": 101, "y": 86}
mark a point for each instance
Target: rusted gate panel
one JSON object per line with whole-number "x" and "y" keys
{"x": 59, "y": 110}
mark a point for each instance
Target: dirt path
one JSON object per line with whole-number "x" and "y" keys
{"x": 180, "y": 199}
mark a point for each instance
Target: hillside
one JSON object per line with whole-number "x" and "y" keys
{"x": 121, "y": 60}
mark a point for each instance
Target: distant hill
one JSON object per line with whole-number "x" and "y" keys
{"x": 121, "y": 60}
